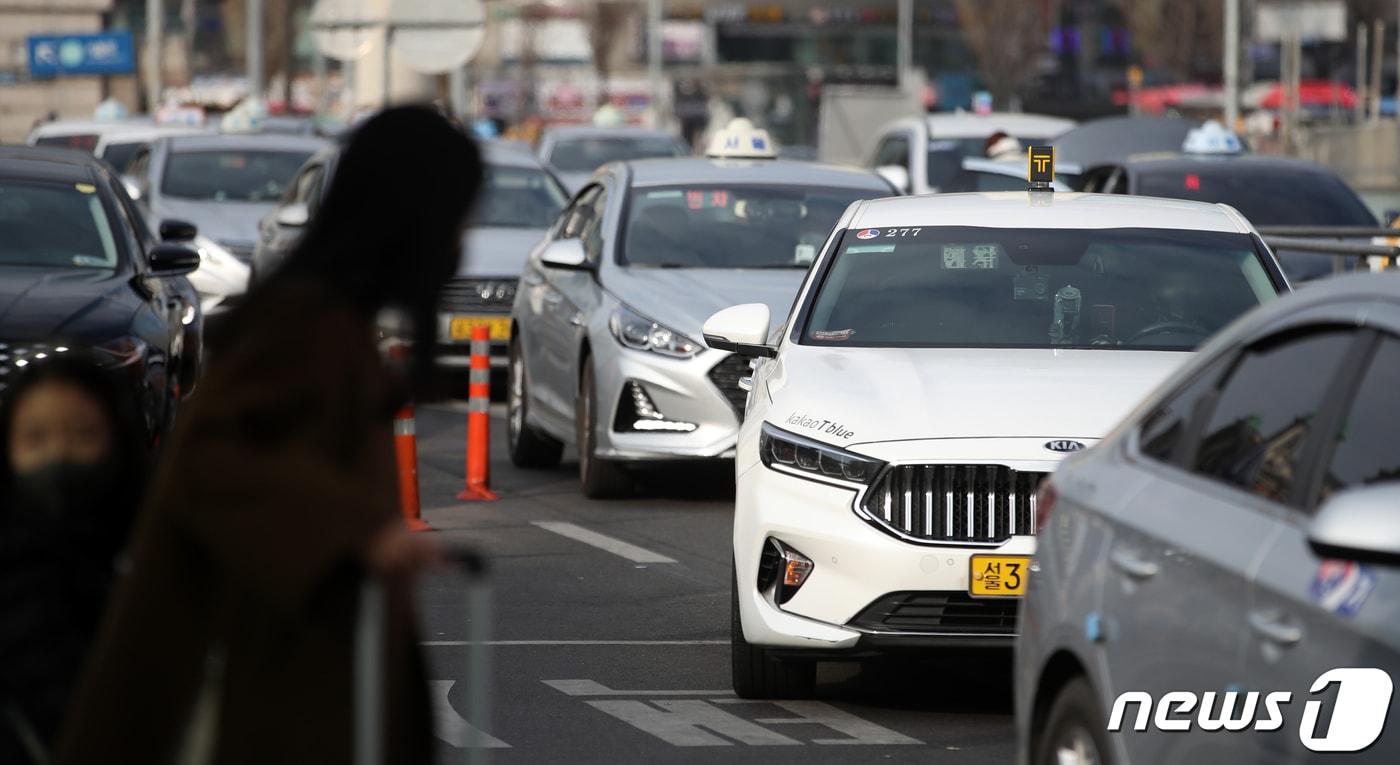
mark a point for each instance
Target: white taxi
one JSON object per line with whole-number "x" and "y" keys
{"x": 944, "y": 354}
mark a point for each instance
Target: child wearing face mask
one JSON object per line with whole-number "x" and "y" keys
{"x": 72, "y": 469}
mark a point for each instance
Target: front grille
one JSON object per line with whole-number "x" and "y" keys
{"x": 478, "y": 296}
{"x": 954, "y": 503}
{"x": 725, "y": 375}
{"x": 939, "y": 612}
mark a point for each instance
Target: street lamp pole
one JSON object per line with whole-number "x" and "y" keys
{"x": 255, "y": 48}
{"x": 1231, "y": 65}
{"x": 155, "y": 31}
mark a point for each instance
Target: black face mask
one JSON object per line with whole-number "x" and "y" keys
{"x": 67, "y": 492}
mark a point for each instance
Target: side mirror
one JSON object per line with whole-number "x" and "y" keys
{"x": 896, "y": 175}
{"x": 294, "y": 215}
{"x": 173, "y": 259}
{"x": 1359, "y": 524}
{"x": 172, "y": 230}
{"x": 566, "y": 254}
{"x": 742, "y": 329}
{"x": 132, "y": 186}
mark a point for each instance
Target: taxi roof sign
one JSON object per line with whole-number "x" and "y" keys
{"x": 1040, "y": 168}
{"x": 741, "y": 140}
{"x": 1212, "y": 138}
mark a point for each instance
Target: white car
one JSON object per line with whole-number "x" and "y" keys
{"x": 944, "y": 354}
{"x": 920, "y": 155}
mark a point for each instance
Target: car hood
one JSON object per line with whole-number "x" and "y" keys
{"x": 43, "y": 304}
{"x": 887, "y": 394}
{"x": 683, "y": 298}
{"x": 230, "y": 222}
{"x": 489, "y": 251}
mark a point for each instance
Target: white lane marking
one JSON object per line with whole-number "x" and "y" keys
{"x": 688, "y": 722}
{"x": 603, "y": 542}
{"x": 453, "y": 728}
{"x": 595, "y": 688}
{"x": 817, "y": 713}
{"x": 509, "y": 643}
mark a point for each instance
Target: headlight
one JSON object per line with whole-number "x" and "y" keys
{"x": 782, "y": 450}
{"x": 122, "y": 352}
{"x": 640, "y": 333}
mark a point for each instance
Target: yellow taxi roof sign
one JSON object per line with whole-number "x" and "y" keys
{"x": 1040, "y": 167}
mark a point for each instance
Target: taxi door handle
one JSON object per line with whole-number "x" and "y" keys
{"x": 1131, "y": 564}
{"x": 1275, "y": 628}
{"x": 576, "y": 320}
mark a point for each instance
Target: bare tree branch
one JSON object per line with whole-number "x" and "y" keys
{"x": 1006, "y": 37}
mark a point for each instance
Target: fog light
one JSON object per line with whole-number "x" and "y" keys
{"x": 637, "y": 412}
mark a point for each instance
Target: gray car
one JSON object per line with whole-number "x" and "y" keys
{"x": 221, "y": 182}
{"x": 518, "y": 201}
{"x": 1233, "y": 542}
{"x": 606, "y": 351}
{"x": 575, "y": 151}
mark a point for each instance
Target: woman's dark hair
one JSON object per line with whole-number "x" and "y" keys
{"x": 131, "y": 442}
{"x": 389, "y": 230}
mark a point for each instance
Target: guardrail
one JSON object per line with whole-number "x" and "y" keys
{"x": 1326, "y": 240}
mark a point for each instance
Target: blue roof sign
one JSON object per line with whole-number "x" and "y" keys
{"x": 103, "y": 53}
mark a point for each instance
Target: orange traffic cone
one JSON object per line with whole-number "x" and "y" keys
{"x": 479, "y": 420}
{"x": 406, "y": 450}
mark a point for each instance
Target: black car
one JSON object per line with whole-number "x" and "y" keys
{"x": 1269, "y": 191}
{"x": 80, "y": 270}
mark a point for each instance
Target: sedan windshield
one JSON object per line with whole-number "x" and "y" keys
{"x": 54, "y": 224}
{"x": 518, "y": 197}
{"x": 964, "y": 287}
{"x": 583, "y": 155}
{"x": 231, "y": 176}
{"x": 732, "y": 227}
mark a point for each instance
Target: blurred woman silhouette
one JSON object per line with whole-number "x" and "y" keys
{"x": 72, "y": 470}
{"x": 231, "y": 640}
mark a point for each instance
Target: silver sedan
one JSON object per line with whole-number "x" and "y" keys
{"x": 605, "y": 341}
{"x": 1208, "y": 573}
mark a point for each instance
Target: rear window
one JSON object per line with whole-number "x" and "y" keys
{"x": 966, "y": 287}
{"x": 55, "y": 224}
{"x": 231, "y": 176}
{"x": 1266, "y": 197}
{"x": 582, "y": 155}
{"x": 84, "y": 141}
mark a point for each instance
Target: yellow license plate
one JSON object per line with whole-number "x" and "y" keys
{"x": 460, "y": 328}
{"x": 999, "y": 576}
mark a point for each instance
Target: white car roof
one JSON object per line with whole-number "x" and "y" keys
{"x": 85, "y": 127}
{"x": 972, "y": 125}
{"x": 145, "y": 133}
{"x": 1021, "y": 209}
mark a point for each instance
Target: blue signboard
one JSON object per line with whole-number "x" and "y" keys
{"x": 104, "y": 53}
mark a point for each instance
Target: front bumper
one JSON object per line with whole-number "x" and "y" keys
{"x": 855, "y": 565}
{"x": 682, "y": 390}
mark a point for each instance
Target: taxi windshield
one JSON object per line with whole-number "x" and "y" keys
{"x": 732, "y": 226}
{"x": 518, "y": 197}
{"x": 965, "y": 287}
{"x": 231, "y": 176}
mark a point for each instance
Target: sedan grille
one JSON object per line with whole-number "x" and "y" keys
{"x": 478, "y": 296}
{"x": 939, "y": 613}
{"x": 954, "y": 503}
{"x": 725, "y": 375}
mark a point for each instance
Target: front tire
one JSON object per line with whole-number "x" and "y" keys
{"x": 528, "y": 447}
{"x": 598, "y": 478}
{"x": 757, "y": 673}
{"x": 1074, "y": 729}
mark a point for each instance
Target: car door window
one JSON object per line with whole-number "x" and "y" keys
{"x": 1365, "y": 449}
{"x": 1164, "y": 430}
{"x": 1266, "y": 410}
{"x": 894, "y": 150}
{"x": 592, "y": 232}
{"x": 576, "y": 216}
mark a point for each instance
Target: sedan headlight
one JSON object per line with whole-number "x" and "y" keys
{"x": 638, "y": 332}
{"x": 790, "y": 452}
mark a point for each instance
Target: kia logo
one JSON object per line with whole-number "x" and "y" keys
{"x": 1063, "y": 445}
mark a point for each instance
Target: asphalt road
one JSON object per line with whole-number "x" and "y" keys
{"x": 609, "y": 635}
